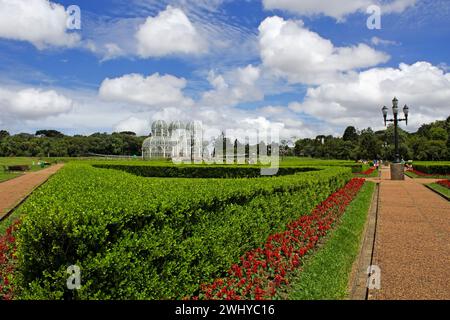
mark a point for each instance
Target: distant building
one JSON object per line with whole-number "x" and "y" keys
{"x": 178, "y": 141}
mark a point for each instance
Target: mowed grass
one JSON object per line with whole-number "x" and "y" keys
{"x": 4, "y": 176}
{"x": 10, "y": 161}
{"x": 325, "y": 275}
{"x": 440, "y": 189}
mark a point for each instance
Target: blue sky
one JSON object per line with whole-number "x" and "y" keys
{"x": 306, "y": 67}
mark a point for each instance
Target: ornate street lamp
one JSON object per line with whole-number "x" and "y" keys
{"x": 396, "y": 120}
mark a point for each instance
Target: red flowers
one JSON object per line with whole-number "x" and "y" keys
{"x": 444, "y": 183}
{"x": 369, "y": 171}
{"x": 7, "y": 262}
{"x": 261, "y": 271}
{"x": 420, "y": 173}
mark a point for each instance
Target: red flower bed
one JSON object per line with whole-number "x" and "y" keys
{"x": 369, "y": 171}
{"x": 261, "y": 271}
{"x": 7, "y": 262}
{"x": 420, "y": 173}
{"x": 444, "y": 183}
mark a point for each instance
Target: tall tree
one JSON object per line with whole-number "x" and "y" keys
{"x": 49, "y": 133}
{"x": 4, "y": 134}
{"x": 350, "y": 134}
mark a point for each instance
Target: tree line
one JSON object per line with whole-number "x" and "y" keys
{"x": 430, "y": 142}
{"x": 51, "y": 143}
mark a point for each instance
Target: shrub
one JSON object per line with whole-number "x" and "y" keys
{"x": 433, "y": 168}
{"x": 262, "y": 270}
{"x": 145, "y": 238}
{"x": 213, "y": 171}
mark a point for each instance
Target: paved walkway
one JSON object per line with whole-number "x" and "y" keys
{"x": 412, "y": 245}
{"x": 15, "y": 190}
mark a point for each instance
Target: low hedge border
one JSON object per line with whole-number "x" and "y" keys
{"x": 231, "y": 171}
{"x": 439, "y": 169}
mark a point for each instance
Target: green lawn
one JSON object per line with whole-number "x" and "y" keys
{"x": 9, "y": 161}
{"x": 7, "y": 176}
{"x": 440, "y": 189}
{"x": 326, "y": 273}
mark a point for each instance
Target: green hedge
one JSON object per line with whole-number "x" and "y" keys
{"x": 433, "y": 168}
{"x": 139, "y": 238}
{"x": 213, "y": 171}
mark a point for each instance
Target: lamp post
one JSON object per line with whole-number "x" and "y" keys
{"x": 395, "y": 170}
{"x": 396, "y": 120}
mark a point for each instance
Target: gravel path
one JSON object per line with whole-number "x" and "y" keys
{"x": 15, "y": 190}
{"x": 412, "y": 245}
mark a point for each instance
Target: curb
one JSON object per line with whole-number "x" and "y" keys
{"x": 437, "y": 192}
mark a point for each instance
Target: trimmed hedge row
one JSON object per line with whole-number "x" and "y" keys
{"x": 138, "y": 238}
{"x": 220, "y": 170}
{"x": 199, "y": 171}
{"x": 433, "y": 168}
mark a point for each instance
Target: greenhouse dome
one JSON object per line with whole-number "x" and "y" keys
{"x": 177, "y": 141}
{"x": 176, "y": 125}
{"x": 159, "y": 144}
{"x": 160, "y": 129}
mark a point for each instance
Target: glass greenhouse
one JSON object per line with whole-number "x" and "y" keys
{"x": 176, "y": 141}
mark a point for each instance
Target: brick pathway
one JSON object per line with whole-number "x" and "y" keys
{"x": 15, "y": 190}
{"x": 412, "y": 245}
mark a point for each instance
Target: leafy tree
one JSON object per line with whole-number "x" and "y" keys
{"x": 438, "y": 133}
{"x": 129, "y": 133}
{"x": 350, "y": 134}
{"x": 4, "y": 134}
{"x": 49, "y": 133}
{"x": 369, "y": 145}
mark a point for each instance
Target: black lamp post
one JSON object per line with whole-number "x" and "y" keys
{"x": 396, "y": 120}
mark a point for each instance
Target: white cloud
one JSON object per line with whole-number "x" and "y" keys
{"x": 86, "y": 113}
{"x": 336, "y": 9}
{"x": 31, "y": 103}
{"x": 290, "y": 50}
{"x": 235, "y": 122}
{"x": 112, "y": 50}
{"x": 378, "y": 41}
{"x": 171, "y": 32}
{"x": 219, "y": 41}
{"x": 358, "y": 100}
{"x": 136, "y": 125}
{"x": 41, "y": 22}
{"x": 152, "y": 91}
{"x": 238, "y": 85}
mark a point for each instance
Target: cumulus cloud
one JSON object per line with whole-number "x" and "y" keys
{"x": 170, "y": 32}
{"x": 290, "y": 50}
{"x": 31, "y": 103}
{"x": 383, "y": 42}
{"x": 151, "y": 91}
{"x": 237, "y": 122}
{"x": 41, "y": 22}
{"x": 136, "y": 125}
{"x": 239, "y": 86}
{"x": 358, "y": 100}
{"x": 336, "y": 9}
